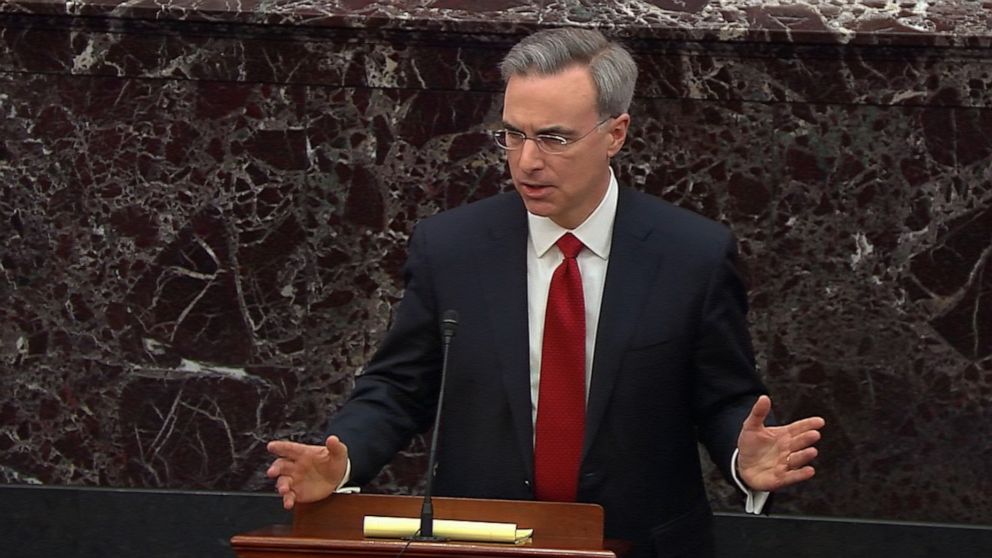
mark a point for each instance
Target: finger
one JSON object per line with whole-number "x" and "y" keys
{"x": 282, "y": 467}
{"x": 276, "y": 469}
{"x": 284, "y": 486}
{"x": 796, "y": 476}
{"x": 804, "y": 440}
{"x": 798, "y": 459}
{"x": 756, "y": 419}
{"x": 802, "y": 425}
{"x": 283, "y": 448}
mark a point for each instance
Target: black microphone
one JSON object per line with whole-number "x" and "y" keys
{"x": 449, "y": 323}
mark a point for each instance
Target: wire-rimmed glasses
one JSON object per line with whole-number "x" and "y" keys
{"x": 549, "y": 143}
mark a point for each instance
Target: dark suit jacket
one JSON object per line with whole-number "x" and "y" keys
{"x": 673, "y": 365}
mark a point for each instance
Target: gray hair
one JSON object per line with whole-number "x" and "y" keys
{"x": 551, "y": 51}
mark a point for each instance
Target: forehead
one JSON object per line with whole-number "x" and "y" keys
{"x": 535, "y": 101}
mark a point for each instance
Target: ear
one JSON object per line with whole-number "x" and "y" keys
{"x": 618, "y": 133}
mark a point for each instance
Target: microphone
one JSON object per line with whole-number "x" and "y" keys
{"x": 449, "y": 323}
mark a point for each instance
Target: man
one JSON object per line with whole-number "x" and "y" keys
{"x": 602, "y": 332}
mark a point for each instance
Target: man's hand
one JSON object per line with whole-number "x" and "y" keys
{"x": 773, "y": 457}
{"x": 306, "y": 473}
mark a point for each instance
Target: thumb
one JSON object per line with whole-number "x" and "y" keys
{"x": 756, "y": 419}
{"x": 336, "y": 448}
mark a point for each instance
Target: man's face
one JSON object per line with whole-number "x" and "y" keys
{"x": 565, "y": 187}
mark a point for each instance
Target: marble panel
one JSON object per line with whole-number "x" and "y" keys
{"x": 876, "y": 22}
{"x": 861, "y": 218}
{"x": 189, "y": 257}
{"x": 914, "y": 22}
{"x": 207, "y": 52}
{"x": 878, "y": 75}
{"x": 432, "y": 15}
{"x": 205, "y": 221}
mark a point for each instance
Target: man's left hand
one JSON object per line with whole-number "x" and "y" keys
{"x": 772, "y": 457}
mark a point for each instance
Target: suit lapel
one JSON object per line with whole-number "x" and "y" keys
{"x": 631, "y": 270}
{"x": 503, "y": 278}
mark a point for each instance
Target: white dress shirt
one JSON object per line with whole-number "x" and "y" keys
{"x": 596, "y": 234}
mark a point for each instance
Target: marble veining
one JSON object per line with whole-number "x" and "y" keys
{"x": 927, "y": 22}
{"x": 205, "y": 208}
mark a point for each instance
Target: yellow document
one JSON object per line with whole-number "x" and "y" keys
{"x": 377, "y": 526}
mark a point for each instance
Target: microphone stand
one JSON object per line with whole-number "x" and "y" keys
{"x": 449, "y": 322}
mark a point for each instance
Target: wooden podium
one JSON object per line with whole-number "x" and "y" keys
{"x": 333, "y": 528}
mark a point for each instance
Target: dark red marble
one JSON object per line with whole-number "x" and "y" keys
{"x": 205, "y": 210}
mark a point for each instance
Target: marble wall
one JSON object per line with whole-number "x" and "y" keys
{"x": 205, "y": 211}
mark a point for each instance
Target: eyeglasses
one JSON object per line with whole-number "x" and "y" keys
{"x": 548, "y": 143}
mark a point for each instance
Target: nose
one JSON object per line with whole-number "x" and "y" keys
{"x": 531, "y": 158}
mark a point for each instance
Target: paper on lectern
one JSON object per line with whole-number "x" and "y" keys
{"x": 377, "y": 526}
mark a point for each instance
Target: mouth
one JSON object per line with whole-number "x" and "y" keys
{"x": 534, "y": 187}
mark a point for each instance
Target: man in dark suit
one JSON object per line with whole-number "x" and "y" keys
{"x": 602, "y": 333}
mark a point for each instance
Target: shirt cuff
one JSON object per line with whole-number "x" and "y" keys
{"x": 344, "y": 480}
{"x": 755, "y": 498}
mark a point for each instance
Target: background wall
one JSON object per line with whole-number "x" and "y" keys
{"x": 205, "y": 210}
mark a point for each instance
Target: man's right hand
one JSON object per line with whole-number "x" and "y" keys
{"x": 306, "y": 473}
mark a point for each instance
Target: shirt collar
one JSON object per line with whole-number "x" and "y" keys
{"x": 595, "y": 232}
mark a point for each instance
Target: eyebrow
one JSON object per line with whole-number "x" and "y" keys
{"x": 550, "y": 130}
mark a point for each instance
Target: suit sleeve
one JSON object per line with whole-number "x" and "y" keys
{"x": 395, "y": 395}
{"x": 727, "y": 384}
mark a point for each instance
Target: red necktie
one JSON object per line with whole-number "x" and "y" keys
{"x": 561, "y": 406}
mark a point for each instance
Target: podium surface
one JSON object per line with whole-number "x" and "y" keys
{"x": 333, "y": 528}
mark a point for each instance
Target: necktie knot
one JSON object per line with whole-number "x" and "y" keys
{"x": 569, "y": 245}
